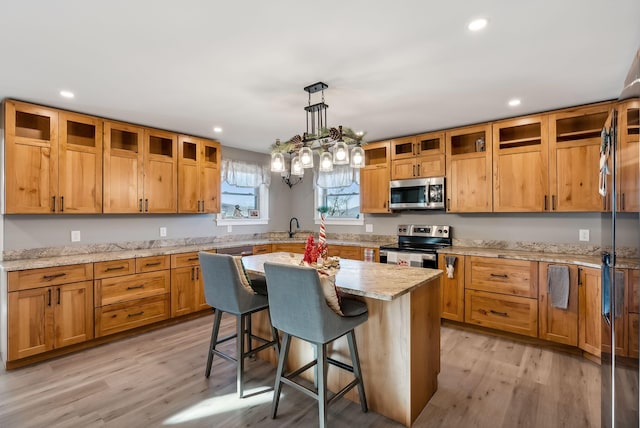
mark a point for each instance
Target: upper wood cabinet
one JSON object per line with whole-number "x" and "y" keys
{"x": 374, "y": 178}
{"x": 123, "y": 168}
{"x": 574, "y": 158}
{"x": 54, "y": 161}
{"x": 468, "y": 162}
{"x": 418, "y": 156}
{"x": 520, "y": 164}
{"x": 198, "y": 175}
{"x": 629, "y": 159}
{"x": 160, "y": 171}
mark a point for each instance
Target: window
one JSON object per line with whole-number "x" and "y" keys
{"x": 239, "y": 202}
{"x": 245, "y": 193}
{"x": 339, "y": 191}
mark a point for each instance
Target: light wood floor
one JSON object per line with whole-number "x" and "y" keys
{"x": 157, "y": 379}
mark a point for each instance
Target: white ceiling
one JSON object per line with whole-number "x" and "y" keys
{"x": 393, "y": 67}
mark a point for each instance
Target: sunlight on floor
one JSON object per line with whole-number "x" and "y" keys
{"x": 217, "y": 405}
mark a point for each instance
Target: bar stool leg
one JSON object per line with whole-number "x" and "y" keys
{"x": 214, "y": 341}
{"x": 284, "y": 351}
{"x": 355, "y": 363}
{"x": 249, "y": 344}
{"x": 240, "y": 354}
{"x": 322, "y": 383}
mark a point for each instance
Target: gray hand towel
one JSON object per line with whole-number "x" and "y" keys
{"x": 619, "y": 294}
{"x": 450, "y": 260}
{"x": 558, "y": 286}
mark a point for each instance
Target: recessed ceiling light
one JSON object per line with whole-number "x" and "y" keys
{"x": 478, "y": 24}
{"x": 67, "y": 94}
{"x": 514, "y": 102}
{"x": 217, "y": 129}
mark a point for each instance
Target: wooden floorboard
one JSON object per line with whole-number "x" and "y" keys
{"x": 156, "y": 379}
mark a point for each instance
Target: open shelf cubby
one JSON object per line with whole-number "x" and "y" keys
{"x": 429, "y": 144}
{"x": 189, "y": 150}
{"x": 29, "y": 125}
{"x": 466, "y": 143}
{"x": 633, "y": 121}
{"x": 210, "y": 154}
{"x": 376, "y": 156}
{"x": 81, "y": 134}
{"x": 124, "y": 140}
{"x": 160, "y": 146}
{"x": 580, "y": 127}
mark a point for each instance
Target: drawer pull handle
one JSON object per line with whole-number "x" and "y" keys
{"x": 109, "y": 269}
{"x": 49, "y": 292}
{"x": 192, "y": 258}
{"x": 499, "y": 275}
{"x": 134, "y": 287}
{"x": 502, "y": 314}
{"x": 58, "y": 295}
{"x": 153, "y": 264}
{"x": 54, "y": 276}
{"x": 135, "y": 314}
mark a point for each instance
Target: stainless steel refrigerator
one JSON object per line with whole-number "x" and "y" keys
{"x": 620, "y": 231}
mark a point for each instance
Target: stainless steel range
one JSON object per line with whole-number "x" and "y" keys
{"x": 417, "y": 245}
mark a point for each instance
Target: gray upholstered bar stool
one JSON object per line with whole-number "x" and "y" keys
{"x": 298, "y": 308}
{"x": 225, "y": 293}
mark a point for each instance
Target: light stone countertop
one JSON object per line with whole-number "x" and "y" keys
{"x": 89, "y": 257}
{"x": 373, "y": 280}
{"x": 582, "y": 260}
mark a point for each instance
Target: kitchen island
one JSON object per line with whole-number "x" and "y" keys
{"x": 399, "y": 345}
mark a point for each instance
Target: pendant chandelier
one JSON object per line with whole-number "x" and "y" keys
{"x": 335, "y": 146}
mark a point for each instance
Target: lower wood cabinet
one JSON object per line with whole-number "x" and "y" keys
{"x": 127, "y": 301}
{"x": 555, "y": 324}
{"x": 42, "y": 318}
{"x": 187, "y": 286}
{"x": 632, "y": 318}
{"x": 261, "y": 249}
{"x": 589, "y": 313}
{"x": 452, "y": 289}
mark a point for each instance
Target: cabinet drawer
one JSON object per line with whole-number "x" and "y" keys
{"x": 114, "y": 268}
{"x": 502, "y": 312}
{"x": 262, "y": 249}
{"x": 124, "y": 316}
{"x": 44, "y": 277}
{"x": 346, "y": 252}
{"x": 132, "y": 287}
{"x": 184, "y": 259}
{"x": 150, "y": 264}
{"x": 515, "y": 277}
{"x": 288, "y": 248}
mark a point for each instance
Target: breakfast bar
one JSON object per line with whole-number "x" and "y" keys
{"x": 399, "y": 345}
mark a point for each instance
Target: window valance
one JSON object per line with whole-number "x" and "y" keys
{"x": 245, "y": 174}
{"x": 341, "y": 176}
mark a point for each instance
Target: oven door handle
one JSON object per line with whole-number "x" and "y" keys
{"x": 429, "y": 256}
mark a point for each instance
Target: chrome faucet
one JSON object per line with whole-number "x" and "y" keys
{"x": 291, "y": 232}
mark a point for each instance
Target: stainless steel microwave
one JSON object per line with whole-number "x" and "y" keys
{"x": 417, "y": 194}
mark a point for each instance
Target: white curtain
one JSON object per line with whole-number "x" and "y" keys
{"x": 341, "y": 176}
{"x": 245, "y": 174}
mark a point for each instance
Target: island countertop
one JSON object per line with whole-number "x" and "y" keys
{"x": 373, "y": 280}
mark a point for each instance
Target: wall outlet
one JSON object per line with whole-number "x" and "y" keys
{"x": 229, "y": 228}
{"x": 75, "y": 236}
{"x": 368, "y": 228}
{"x": 163, "y": 232}
{"x": 584, "y": 234}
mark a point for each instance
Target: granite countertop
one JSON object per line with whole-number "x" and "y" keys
{"x": 582, "y": 260}
{"x": 89, "y": 257}
{"x": 373, "y": 280}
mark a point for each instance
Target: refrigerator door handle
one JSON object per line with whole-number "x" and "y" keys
{"x": 606, "y": 287}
